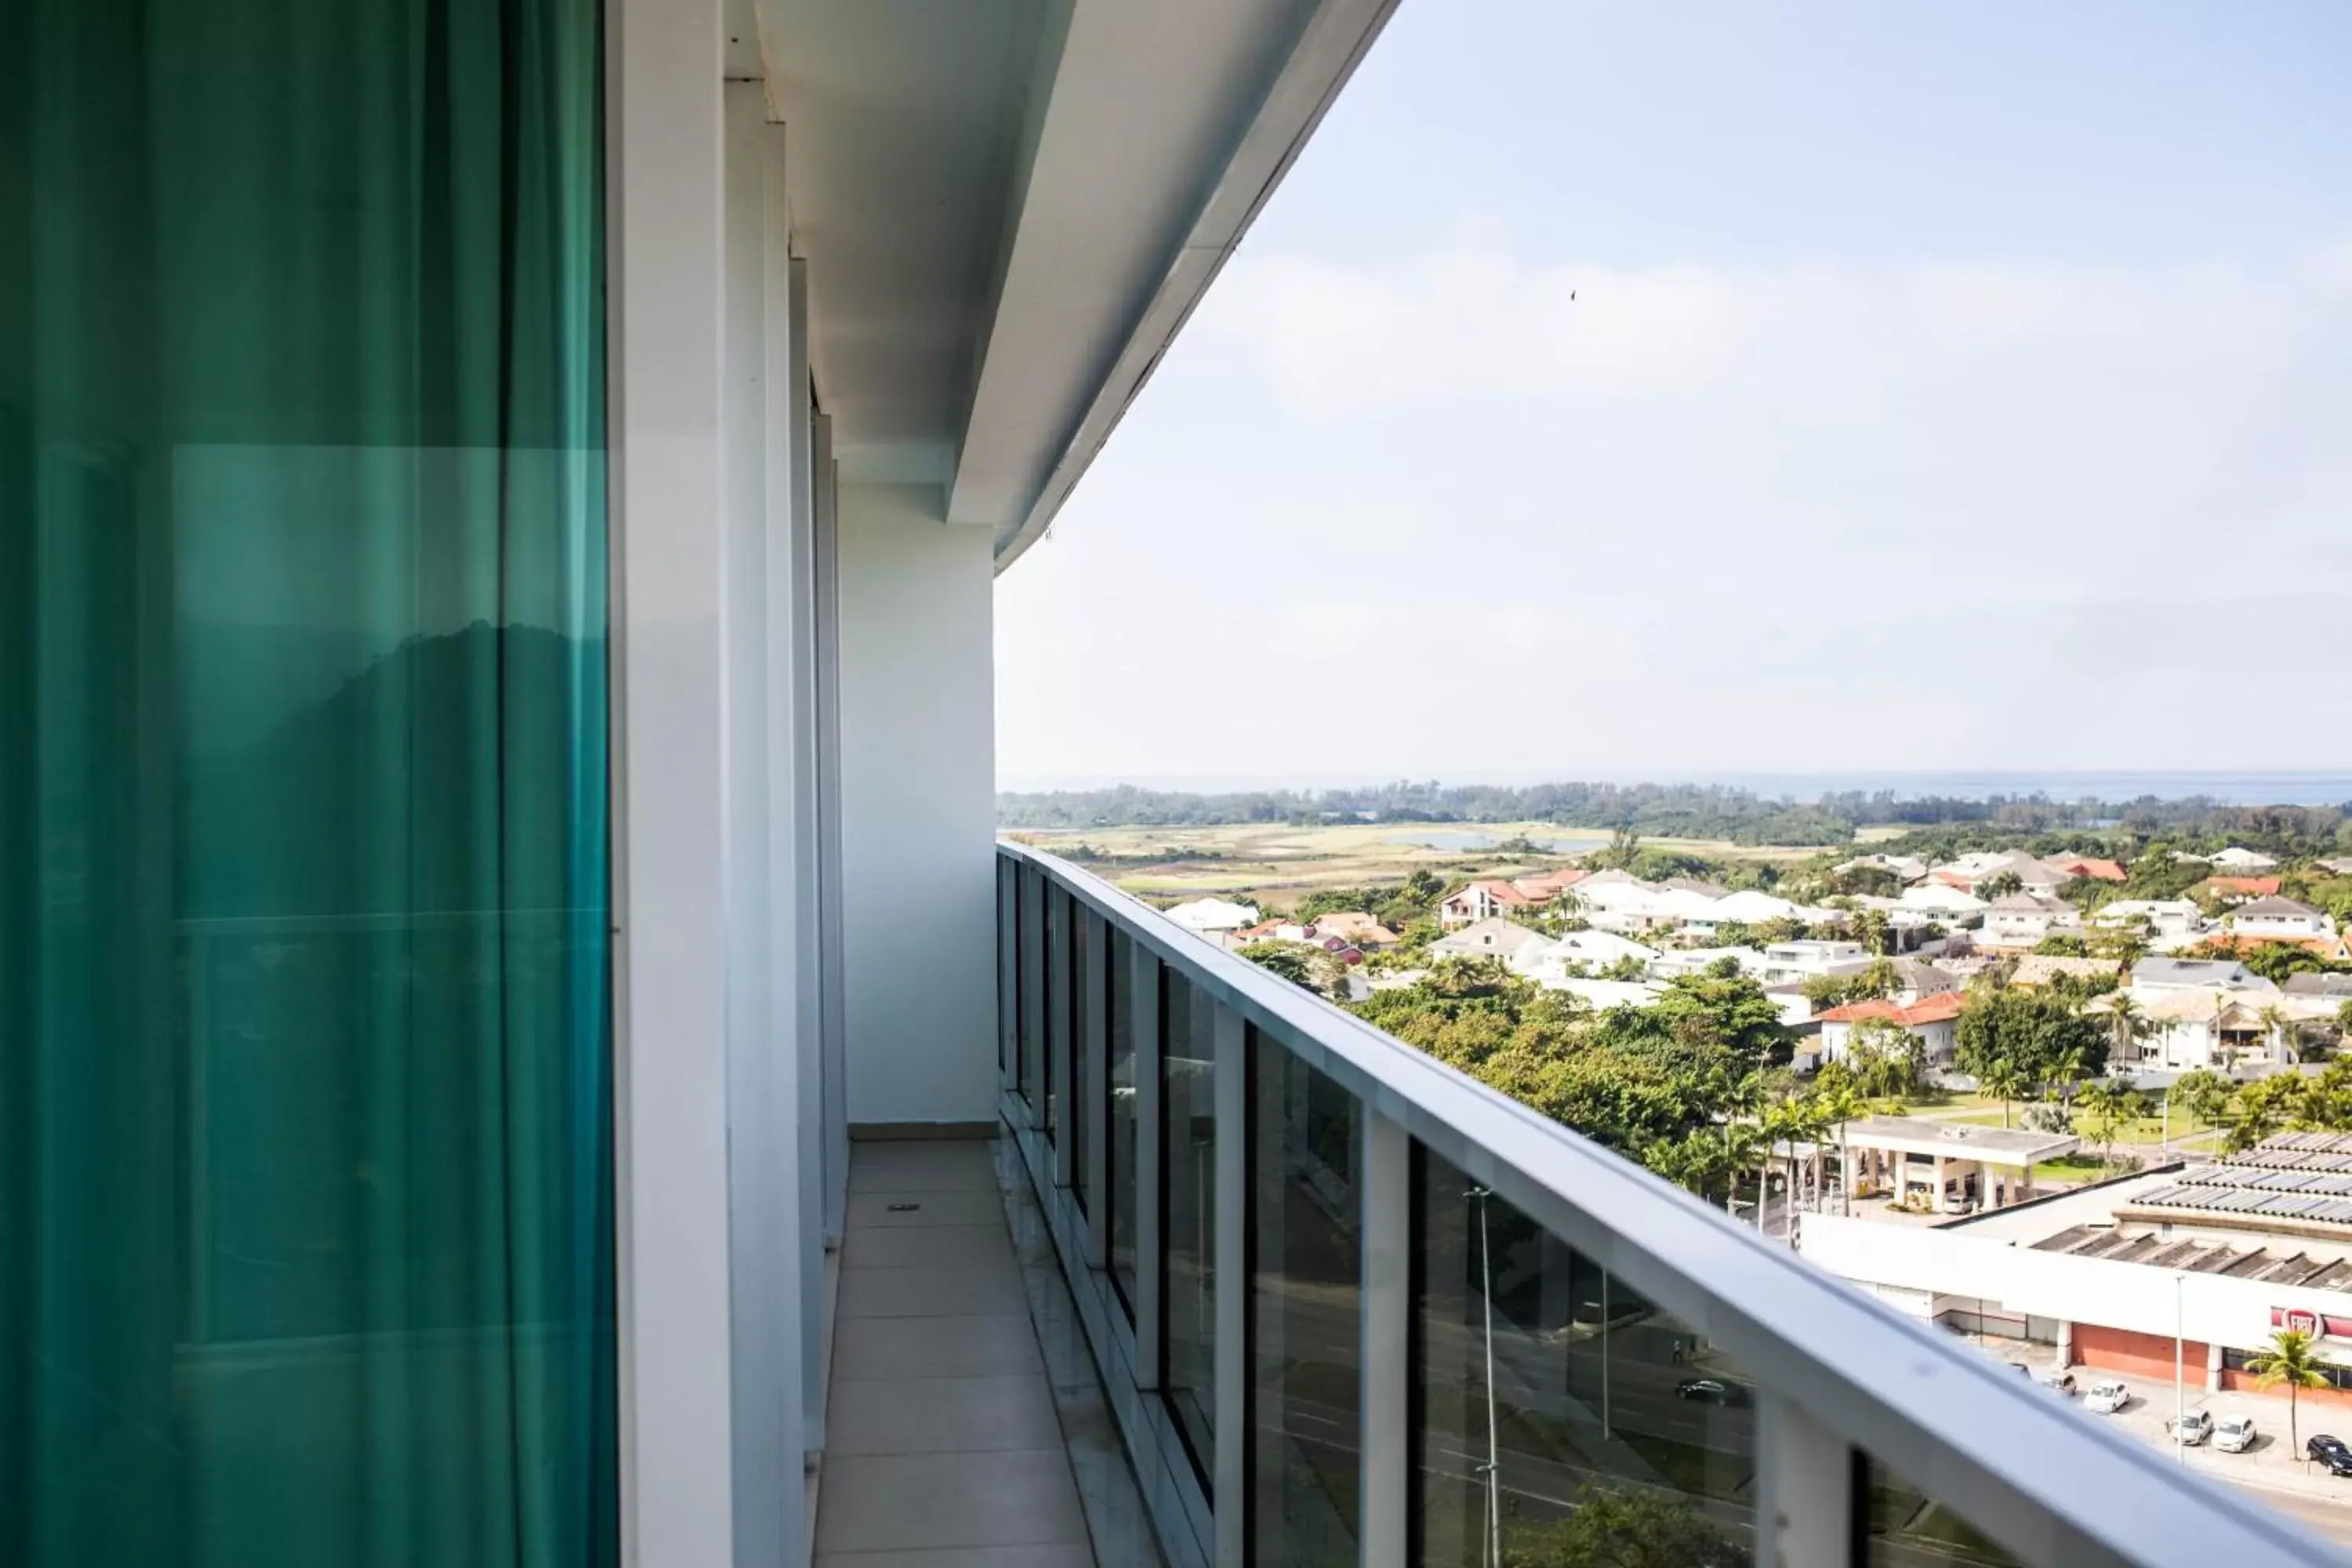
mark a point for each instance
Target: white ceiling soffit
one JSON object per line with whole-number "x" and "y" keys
{"x": 902, "y": 122}
{"x": 1010, "y": 206}
{"x": 1167, "y": 127}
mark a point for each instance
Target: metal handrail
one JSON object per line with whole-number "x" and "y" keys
{"x": 2024, "y": 1468}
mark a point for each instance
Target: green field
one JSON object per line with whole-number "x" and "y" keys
{"x": 1275, "y": 866}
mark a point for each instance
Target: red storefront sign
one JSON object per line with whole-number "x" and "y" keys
{"x": 2318, "y": 1325}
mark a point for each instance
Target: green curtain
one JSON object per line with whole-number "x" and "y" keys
{"x": 306, "y": 1191}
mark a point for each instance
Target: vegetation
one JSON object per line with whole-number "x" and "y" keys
{"x": 2289, "y": 1359}
{"x": 1680, "y": 1086}
{"x": 1609, "y": 1528}
{"x": 2014, "y": 1041}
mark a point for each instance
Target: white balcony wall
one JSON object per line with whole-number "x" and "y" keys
{"x": 918, "y": 809}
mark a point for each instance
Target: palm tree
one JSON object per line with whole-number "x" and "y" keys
{"x": 2283, "y": 1030}
{"x": 2130, "y": 1024}
{"x": 2288, "y": 1359}
{"x": 2005, "y": 1081}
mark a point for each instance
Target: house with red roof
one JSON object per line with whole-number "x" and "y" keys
{"x": 1483, "y": 900}
{"x": 2096, "y": 869}
{"x": 1934, "y": 1021}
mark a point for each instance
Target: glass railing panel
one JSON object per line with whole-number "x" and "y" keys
{"x": 1188, "y": 1230}
{"x": 1085, "y": 959}
{"x": 1056, "y": 1033}
{"x": 1120, "y": 1118}
{"x": 1562, "y": 1418}
{"x": 1306, "y": 1325}
{"x": 1031, "y": 969}
{"x": 1904, "y": 1527}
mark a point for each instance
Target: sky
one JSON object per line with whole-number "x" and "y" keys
{"x": 1942, "y": 387}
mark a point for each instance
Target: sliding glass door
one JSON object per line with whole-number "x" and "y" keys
{"x": 305, "y": 1088}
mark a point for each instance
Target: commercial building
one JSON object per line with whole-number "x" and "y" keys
{"x": 2202, "y": 1263}
{"x": 517, "y": 1039}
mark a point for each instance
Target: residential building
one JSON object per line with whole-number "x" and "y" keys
{"x": 2152, "y": 974}
{"x": 1599, "y": 948}
{"x": 1545, "y": 886}
{"x": 2277, "y": 917}
{"x": 1807, "y": 957}
{"x": 1221, "y": 921}
{"x": 1905, "y": 868}
{"x": 1599, "y": 995}
{"x": 2022, "y": 920}
{"x": 519, "y": 1047}
{"x": 2168, "y": 921}
{"x": 2086, "y": 866}
{"x": 2235, "y": 859}
{"x": 2034, "y": 970}
{"x": 1353, "y": 925}
{"x": 1971, "y": 872}
{"x": 1482, "y": 901}
{"x": 1492, "y": 937}
{"x": 2335, "y": 988}
{"x": 1954, "y": 907}
{"x": 1676, "y": 960}
{"x": 1932, "y": 1021}
{"x": 2236, "y": 889}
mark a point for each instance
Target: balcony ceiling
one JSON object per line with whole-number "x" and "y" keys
{"x": 1010, "y": 206}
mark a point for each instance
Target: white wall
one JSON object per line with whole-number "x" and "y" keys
{"x": 918, "y": 809}
{"x": 2213, "y": 1309}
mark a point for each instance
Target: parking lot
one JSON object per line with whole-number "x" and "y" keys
{"x": 2273, "y": 1467}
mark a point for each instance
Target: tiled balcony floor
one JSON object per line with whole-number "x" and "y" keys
{"x": 945, "y": 1436}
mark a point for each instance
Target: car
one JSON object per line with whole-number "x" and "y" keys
{"x": 2193, "y": 1427}
{"x": 2106, "y": 1396}
{"x": 2059, "y": 1381}
{"x": 2330, "y": 1452}
{"x": 2235, "y": 1434}
{"x": 1711, "y": 1391}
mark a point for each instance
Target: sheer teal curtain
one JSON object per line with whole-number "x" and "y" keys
{"x": 305, "y": 1092}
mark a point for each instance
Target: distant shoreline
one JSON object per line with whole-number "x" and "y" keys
{"x": 2248, "y": 787}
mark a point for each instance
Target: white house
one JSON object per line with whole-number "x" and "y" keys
{"x": 1599, "y": 948}
{"x": 1219, "y": 920}
{"x": 2024, "y": 918}
{"x": 1971, "y": 872}
{"x": 2235, "y": 859}
{"x": 1482, "y": 901}
{"x": 2213, "y": 1027}
{"x": 2168, "y": 921}
{"x": 1699, "y": 960}
{"x": 2156, "y": 975}
{"x": 1491, "y": 938}
{"x": 1948, "y": 906}
{"x": 1804, "y": 959}
{"x": 2279, "y": 918}
{"x": 1931, "y": 1020}
{"x": 1905, "y": 868}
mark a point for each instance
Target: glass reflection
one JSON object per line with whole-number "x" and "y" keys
{"x": 1120, "y": 995}
{"x": 1305, "y": 1311}
{"x": 1562, "y": 1419}
{"x": 1908, "y": 1526}
{"x": 1083, "y": 950}
{"x": 1187, "y": 1196}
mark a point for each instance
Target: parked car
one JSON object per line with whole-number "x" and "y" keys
{"x": 2193, "y": 1427}
{"x": 1711, "y": 1391}
{"x": 2059, "y": 1381}
{"x": 2235, "y": 1434}
{"x": 2106, "y": 1396}
{"x": 2330, "y": 1452}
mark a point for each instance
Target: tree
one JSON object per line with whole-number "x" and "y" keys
{"x": 2128, "y": 1025}
{"x": 1286, "y": 959}
{"x": 1999, "y": 885}
{"x": 2107, "y": 1108}
{"x": 1629, "y": 1529}
{"x": 1887, "y": 1058}
{"x": 2205, "y": 1096}
{"x": 1874, "y": 931}
{"x": 2264, "y": 1108}
{"x": 2013, "y": 1040}
{"x": 2288, "y": 1359}
{"x": 2285, "y": 1032}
